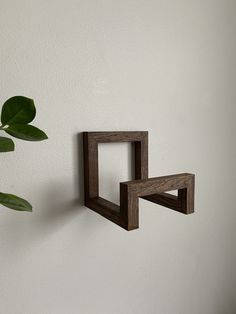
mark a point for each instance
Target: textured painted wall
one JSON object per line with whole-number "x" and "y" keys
{"x": 163, "y": 66}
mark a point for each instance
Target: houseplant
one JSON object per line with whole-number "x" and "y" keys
{"x": 17, "y": 113}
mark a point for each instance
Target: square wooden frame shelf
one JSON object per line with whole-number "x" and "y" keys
{"x": 151, "y": 189}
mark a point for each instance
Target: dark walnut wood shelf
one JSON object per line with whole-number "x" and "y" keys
{"x": 151, "y": 189}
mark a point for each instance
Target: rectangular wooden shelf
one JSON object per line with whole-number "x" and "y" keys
{"x": 150, "y": 189}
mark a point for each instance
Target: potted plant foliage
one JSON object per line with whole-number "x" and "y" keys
{"x": 17, "y": 113}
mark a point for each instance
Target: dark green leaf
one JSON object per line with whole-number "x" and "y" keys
{"x": 15, "y": 202}
{"x": 26, "y": 132}
{"x": 6, "y": 144}
{"x": 18, "y": 109}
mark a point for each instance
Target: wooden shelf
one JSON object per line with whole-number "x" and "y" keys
{"x": 151, "y": 189}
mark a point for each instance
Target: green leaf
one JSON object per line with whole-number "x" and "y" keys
{"x": 26, "y": 132}
{"x": 18, "y": 109}
{"x": 6, "y": 144}
{"x": 15, "y": 202}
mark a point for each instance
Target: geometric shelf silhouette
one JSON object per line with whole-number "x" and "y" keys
{"x": 151, "y": 189}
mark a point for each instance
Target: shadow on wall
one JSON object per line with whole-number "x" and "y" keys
{"x": 55, "y": 210}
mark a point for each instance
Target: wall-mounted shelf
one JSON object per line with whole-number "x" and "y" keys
{"x": 152, "y": 189}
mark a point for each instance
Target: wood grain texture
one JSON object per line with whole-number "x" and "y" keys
{"x": 152, "y": 189}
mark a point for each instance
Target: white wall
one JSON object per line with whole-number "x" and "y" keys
{"x": 163, "y": 66}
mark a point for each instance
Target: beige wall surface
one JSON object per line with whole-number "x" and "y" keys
{"x": 168, "y": 67}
